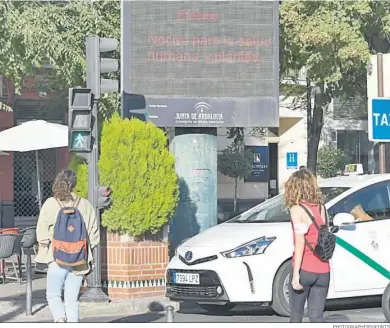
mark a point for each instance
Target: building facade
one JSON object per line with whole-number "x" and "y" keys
{"x": 18, "y": 172}
{"x": 345, "y": 127}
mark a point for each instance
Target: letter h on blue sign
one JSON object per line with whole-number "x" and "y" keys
{"x": 292, "y": 160}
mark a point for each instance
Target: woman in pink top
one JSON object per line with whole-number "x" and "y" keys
{"x": 310, "y": 275}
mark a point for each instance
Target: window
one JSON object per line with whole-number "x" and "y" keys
{"x": 355, "y": 146}
{"x": 274, "y": 209}
{"x": 370, "y": 203}
{"x": 328, "y": 193}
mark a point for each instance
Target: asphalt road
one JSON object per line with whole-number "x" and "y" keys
{"x": 351, "y": 311}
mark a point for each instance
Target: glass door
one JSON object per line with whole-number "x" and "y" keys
{"x": 355, "y": 146}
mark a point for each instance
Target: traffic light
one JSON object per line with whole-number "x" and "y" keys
{"x": 97, "y": 65}
{"x": 80, "y": 120}
{"x": 134, "y": 106}
{"x": 103, "y": 197}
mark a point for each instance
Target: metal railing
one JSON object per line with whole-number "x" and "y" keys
{"x": 26, "y": 183}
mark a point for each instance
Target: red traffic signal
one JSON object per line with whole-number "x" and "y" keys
{"x": 107, "y": 192}
{"x": 103, "y": 197}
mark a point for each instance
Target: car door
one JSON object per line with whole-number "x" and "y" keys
{"x": 360, "y": 260}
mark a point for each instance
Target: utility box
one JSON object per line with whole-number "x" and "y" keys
{"x": 7, "y": 214}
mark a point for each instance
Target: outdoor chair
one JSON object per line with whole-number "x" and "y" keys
{"x": 29, "y": 240}
{"x": 15, "y": 257}
{"x": 9, "y": 231}
{"x": 9, "y": 247}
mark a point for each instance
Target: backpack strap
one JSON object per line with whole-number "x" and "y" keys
{"x": 310, "y": 216}
{"x": 70, "y": 210}
{"x": 314, "y": 222}
{"x": 326, "y": 216}
{"x": 59, "y": 203}
{"x": 76, "y": 202}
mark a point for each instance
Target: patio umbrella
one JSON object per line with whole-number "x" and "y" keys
{"x": 34, "y": 136}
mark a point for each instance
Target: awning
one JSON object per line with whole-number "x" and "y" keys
{"x": 288, "y": 117}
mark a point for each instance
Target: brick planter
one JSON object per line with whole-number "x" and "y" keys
{"x": 132, "y": 269}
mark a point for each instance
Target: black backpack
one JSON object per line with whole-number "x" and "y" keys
{"x": 326, "y": 241}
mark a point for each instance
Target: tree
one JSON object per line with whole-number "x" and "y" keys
{"x": 236, "y": 163}
{"x": 139, "y": 168}
{"x": 39, "y": 33}
{"x": 136, "y": 163}
{"x": 331, "y": 161}
{"x": 333, "y": 41}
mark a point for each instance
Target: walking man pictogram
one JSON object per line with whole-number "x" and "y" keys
{"x": 79, "y": 141}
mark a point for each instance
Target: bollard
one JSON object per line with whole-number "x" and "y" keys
{"x": 28, "y": 286}
{"x": 169, "y": 310}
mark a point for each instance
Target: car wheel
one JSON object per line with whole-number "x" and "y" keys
{"x": 386, "y": 303}
{"x": 281, "y": 291}
{"x": 217, "y": 309}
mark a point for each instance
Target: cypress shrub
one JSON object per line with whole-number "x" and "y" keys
{"x": 136, "y": 163}
{"x": 78, "y": 166}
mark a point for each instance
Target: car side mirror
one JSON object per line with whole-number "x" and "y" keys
{"x": 343, "y": 219}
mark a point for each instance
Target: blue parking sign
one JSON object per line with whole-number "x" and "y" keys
{"x": 379, "y": 119}
{"x": 292, "y": 160}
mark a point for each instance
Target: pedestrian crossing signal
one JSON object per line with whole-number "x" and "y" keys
{"x": 80, "y": 120}
{"x": 80, "y": 141}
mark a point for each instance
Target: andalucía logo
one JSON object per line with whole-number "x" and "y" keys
{"x": 204, "y": 114}
{"x": 202, "y": 107}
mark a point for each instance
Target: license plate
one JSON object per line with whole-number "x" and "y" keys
{"x": 186, "y": 278}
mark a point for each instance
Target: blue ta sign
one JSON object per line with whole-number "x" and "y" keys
{"x": 379, "y": 119}
{"x": 260, "y": 170}
{"x": 292, "y": 160}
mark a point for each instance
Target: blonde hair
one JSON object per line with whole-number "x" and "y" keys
{"x": 302, "y": 187}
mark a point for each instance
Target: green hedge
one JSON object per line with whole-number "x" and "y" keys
{"x": 136, "y": 164}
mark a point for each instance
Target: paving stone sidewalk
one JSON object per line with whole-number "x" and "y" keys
{"x": 13, "y": 306}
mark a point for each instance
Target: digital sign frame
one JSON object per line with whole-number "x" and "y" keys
{"x": 202, "y": 63}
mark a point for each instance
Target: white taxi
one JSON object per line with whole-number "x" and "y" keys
{"x": 248, "y": 258}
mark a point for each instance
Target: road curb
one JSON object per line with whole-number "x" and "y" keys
{"x": 87, "y": 309}
{"x": 156, "y": 305}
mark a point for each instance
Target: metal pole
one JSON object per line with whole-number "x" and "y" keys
{"x": 93, "y": 82}
{"x": 382, "y": 146}
{"x": 125, "y": 53}
{"x": 94, "y": 293}
{"x": 169, "y": 309}
{"x": 94, "y": 278}
{"x": 28, "y": 286}
{"x": 39, "y": 179}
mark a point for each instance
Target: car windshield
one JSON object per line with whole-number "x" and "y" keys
{"x": 274, "y": 209}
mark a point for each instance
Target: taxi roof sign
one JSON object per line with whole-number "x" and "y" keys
{"x": 353, "y": 169}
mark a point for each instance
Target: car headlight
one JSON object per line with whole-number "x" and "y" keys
{"x": 254, "y": 247}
